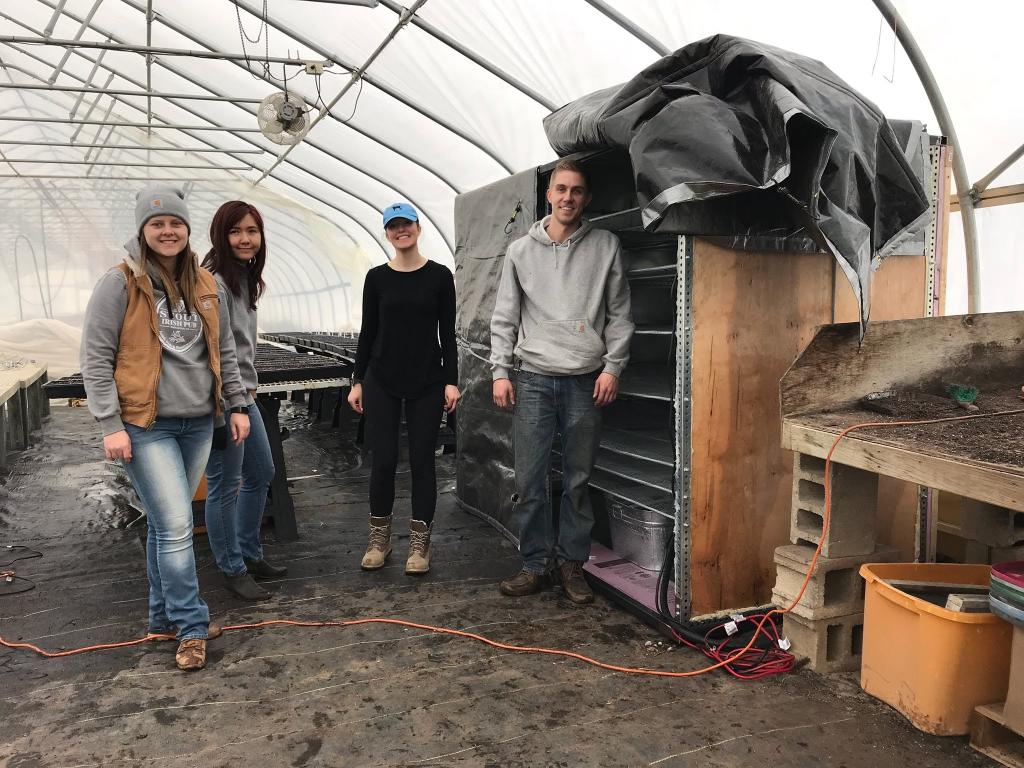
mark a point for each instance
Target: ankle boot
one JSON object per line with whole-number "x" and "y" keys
{"x": 245, "y": 587}
{"x": 379, "y": 548}
{"x": 419, "y": 548}
{"x": 261, "y": 569}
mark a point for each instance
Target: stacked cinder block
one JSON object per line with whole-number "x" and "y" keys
{"x": 826, "y": 625}
{"x": 994, "y": 534}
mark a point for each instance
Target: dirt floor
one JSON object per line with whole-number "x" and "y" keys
{"x": 375, "y": 695}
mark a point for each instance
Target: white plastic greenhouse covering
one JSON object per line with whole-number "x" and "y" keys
{"x": 426, "y": 122}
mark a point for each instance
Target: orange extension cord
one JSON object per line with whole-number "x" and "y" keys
{"x": 550, "y": 651}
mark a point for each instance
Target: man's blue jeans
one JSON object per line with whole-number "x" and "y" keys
{"x": 167, "y": 464}
{"x": 546, "y": 406}
{"x": 233, "y": 513}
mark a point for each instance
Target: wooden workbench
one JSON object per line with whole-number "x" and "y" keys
{"x": 821, "y": 396}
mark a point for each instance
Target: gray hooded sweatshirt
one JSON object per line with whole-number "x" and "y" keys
{"x": 242, "y": 318}
{"x": 562, "y": 308}
{"x": 186, "y": 382}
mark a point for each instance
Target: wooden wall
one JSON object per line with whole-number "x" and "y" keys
{"x": 753, "y": 314}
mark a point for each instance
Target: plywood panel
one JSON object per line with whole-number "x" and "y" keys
{"x": 898, "y": 291}
{"x": 753, "y": 313}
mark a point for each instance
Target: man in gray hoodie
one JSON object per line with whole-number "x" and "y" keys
{"x": 560, "y": 338}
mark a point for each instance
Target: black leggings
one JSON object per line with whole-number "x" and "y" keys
{"x": 383, "y": 421}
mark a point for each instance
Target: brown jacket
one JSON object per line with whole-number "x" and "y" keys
{"x": 139, "y": 355}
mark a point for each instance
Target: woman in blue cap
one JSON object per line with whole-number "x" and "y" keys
{"x": 406, "y": 354}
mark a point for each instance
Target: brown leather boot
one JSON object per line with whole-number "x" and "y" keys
{"x": 574, "y": 584}
{"x": 419, "y": 548}
{"x": 191, "y": 654}
{"x": 379, "y": 548}
{"x": 523, "y": 583}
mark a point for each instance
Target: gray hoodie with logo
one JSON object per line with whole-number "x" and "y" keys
{"x": 562, "y": 308}
{"x": 186, "y": 382}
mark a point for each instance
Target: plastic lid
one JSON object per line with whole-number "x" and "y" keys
{"x": 1011, "y": 573}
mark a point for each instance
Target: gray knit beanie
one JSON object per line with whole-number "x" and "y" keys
{"x": 160, "y": 200}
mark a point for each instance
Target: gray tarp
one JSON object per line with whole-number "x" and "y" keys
{"x": 727, "y": 138}
{"x": 733, "y": 137}
{"x": 485, "y": 480}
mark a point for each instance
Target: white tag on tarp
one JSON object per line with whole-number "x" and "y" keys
{"x": 731, "y": 628}
{"x": 739, "y": 618}
{"x": 784, "y": 643}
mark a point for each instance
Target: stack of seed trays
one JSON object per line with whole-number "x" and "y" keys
{"x": 1006, "y": 592}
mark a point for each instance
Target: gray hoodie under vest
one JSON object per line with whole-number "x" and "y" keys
{"x": 562, "y": 308}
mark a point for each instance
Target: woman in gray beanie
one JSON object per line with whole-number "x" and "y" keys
{"x": 157, "y": 356}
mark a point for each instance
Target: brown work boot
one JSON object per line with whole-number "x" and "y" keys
{"x": 575, "y": 586}
{"x": 191, "y": 654}
{"x": 523, "y": 583}
{"x": 379, "y": 548}
{"x": 419, "y": 548}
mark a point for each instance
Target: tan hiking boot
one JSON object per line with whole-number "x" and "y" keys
{"x": 379, "y": 548}
{"x": 191, "y": 654}
{"x": 575, "y": 586}
{"x": 419, "y": 548}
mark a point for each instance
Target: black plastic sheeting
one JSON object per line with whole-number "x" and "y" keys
{"x": 735, "y": 138}
{"x": 485, "y": 479}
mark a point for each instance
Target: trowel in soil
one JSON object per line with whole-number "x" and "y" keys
{"x": 963, "y": 396}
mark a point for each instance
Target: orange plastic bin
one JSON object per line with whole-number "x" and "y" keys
{"x": 933, "y": 665}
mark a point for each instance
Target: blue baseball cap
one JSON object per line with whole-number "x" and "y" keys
{"x": 400, "y": 211}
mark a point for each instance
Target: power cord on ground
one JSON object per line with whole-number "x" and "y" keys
{"x": 748, "y": 662}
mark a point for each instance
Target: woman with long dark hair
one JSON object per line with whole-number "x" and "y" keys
{"x": 406, "y": 356}
{"x": 238, "y": 475}
{"x": 157, "y": 359}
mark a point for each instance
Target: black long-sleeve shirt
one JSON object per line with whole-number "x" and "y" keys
{"x": 408, "y": 329}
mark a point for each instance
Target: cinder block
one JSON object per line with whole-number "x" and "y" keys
{"x": 1007, "y": 554}
{"x": 17, "y": 436}
{"x": 807, "y": 467}
{"x": 3, "y": 436}
{"x": 830, "y": 645}
{"x": 34, "y": 405}
{"x": 854, "y": 503}
{"x": 835, "y": 589}
{"x": 329, "y": 406}
{"x": 46, "y": 400}
{"x": 978, "y": 553}
{"x": 313, "y": 404}
{"x": 991, "y": 525}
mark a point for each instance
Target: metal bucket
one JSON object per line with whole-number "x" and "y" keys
{"x": 639, "y": 535}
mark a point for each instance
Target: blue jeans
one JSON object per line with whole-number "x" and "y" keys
{"x": 166, "y": 467}
{"x": 546, "y": 406}
{"x": 237, "y": 480}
